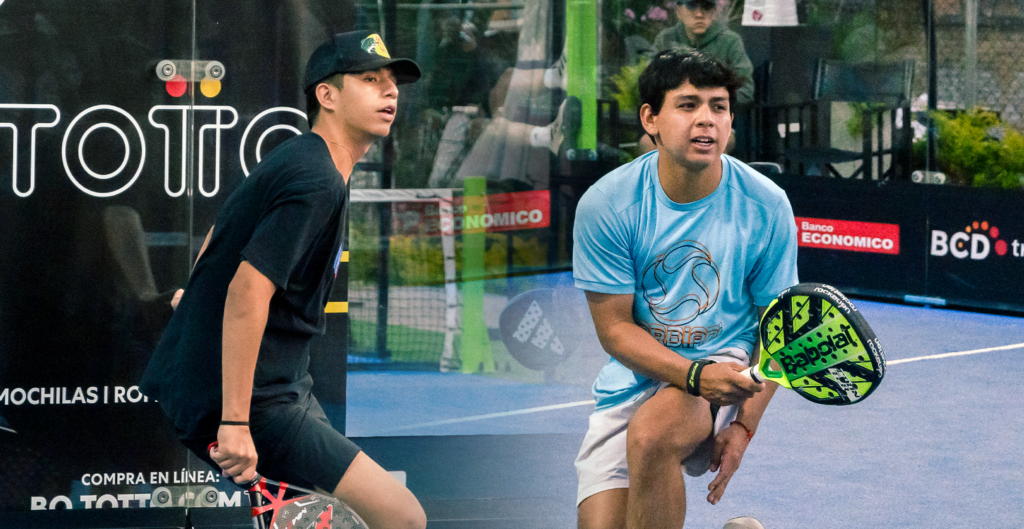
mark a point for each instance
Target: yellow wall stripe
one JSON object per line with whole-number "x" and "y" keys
{"x": 334, "y": 307}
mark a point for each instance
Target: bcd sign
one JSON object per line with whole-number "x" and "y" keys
{"x": 961, "y": 245}
{"x": 974, "y": 242}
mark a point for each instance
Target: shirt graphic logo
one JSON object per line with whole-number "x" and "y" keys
{"x": 681, "y": 284}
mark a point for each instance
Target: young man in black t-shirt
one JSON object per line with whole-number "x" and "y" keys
{"x": 232, "y": 366}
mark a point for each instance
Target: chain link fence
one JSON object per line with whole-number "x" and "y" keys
{"x": 996, "y": 83}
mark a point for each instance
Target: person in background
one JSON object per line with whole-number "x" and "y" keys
{"x": 701, "y": 29}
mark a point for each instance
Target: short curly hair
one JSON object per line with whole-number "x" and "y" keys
{"x": 671, "y": 68}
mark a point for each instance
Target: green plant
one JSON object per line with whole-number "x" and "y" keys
{"x": 974, "y": 148}
{"x": 627, "y": 89}
{"x": 855, "y": 125}
{"x": 1009, "y": 173}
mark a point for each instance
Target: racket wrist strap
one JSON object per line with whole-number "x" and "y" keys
{"x": 693, "y": 376}
{"x": 750, "y": 433}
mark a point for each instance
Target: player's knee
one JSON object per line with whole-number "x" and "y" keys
{"x": 419, "y": 519}
{"x": 651, "y": 443}
{"x": 411, "y": 517}
{"x": 407, "y": 515}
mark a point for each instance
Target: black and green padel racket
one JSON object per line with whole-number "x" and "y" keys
{"x": 821, "y": 346}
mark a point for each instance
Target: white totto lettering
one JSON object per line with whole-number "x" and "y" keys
{"x": 131, "y": 136}
{"x": 816, "y": 227}
{"x": 178, "y": 496}
{"x": 217, "y": 127}
{"x": 851, "y": 241}
{"x": 32, "y": 146}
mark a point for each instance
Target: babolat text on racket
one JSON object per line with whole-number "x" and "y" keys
{"x": 277, "y": 505}
{"x": 821, "y": 346}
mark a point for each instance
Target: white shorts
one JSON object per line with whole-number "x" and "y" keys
{"x": 601, "y": 463}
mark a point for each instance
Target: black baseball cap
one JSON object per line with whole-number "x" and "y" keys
{"x": 353, "y": 52}
{"x": 695, "y": 4}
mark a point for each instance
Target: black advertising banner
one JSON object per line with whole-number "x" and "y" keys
{"x": 953, "y": 245}
{"x": 860, "y": 237}
{"x": 124, "y": 126}
{"x": 976, "y": 247}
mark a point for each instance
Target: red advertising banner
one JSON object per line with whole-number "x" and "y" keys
{"x": 493, "y": 213}
{"x": 848, "y": 235}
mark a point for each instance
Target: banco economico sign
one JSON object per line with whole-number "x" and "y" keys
{"x": 520, "y": 210}
{"x": 848, "y": 235}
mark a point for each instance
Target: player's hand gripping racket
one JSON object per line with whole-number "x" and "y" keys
{"x": 277, "y": 505}
{"x": 821, "y": 346}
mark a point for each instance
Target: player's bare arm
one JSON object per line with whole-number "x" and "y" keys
{"x": 731, "y": 443}
{"x": 245, "y": 318}
{"x": 721, "y": 383}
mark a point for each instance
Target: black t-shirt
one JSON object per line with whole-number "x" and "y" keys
{"x": 286, "y": 220}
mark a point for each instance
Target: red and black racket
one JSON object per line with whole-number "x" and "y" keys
{"x": 277, "y": 505}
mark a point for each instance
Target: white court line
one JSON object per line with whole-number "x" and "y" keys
{"x": 494, "y": 415}
{"x": 591, "y": 402}
{"x": 959, "y": 353}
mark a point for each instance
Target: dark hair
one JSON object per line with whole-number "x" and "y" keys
{"x": 313, "y": 104}
{"x": 671, "y": 68}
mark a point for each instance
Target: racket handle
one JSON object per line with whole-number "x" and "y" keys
{"x": 252, "y": 483}
{"x": 754, "y": 373}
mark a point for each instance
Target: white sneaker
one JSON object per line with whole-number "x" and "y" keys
{"x": 743, "y": 522}
{"x": 554, "y": 77}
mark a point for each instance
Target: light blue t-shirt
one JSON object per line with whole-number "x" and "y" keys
{"x": 697, "y": 271}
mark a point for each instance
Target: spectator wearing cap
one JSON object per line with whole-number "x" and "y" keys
{"x": 699, "y": 28}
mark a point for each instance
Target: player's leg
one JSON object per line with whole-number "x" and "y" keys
{"x": 604, "y": 510}
{"x": 668, "y": 428}
{"x": 379, "y": 498}
{"x": 298, "y": 444}
{"x": 601, "y": 465}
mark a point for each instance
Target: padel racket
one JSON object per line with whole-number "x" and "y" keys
{"x": 277, "y": 505}
{"x": 821, "y": 346}
{"x": 536, "y": 328}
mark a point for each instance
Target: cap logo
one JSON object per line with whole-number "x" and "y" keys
{"x": 375, "y": 45}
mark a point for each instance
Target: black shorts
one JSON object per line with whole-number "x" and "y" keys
{"x": 295, "y": 444}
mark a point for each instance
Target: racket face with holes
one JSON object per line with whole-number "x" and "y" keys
{"x": 279, "y": 505}
{"x": 533, "y": 329}
{"x": 822, "y": 347}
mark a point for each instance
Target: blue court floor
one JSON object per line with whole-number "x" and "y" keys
{"x": 938, "y": 445}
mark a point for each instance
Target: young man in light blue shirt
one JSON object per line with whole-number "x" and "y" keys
{"x": 679, "y": 252}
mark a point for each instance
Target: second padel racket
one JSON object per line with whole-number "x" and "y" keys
{"x": 821, "y": 346}
{"x": 277, "y": 505}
